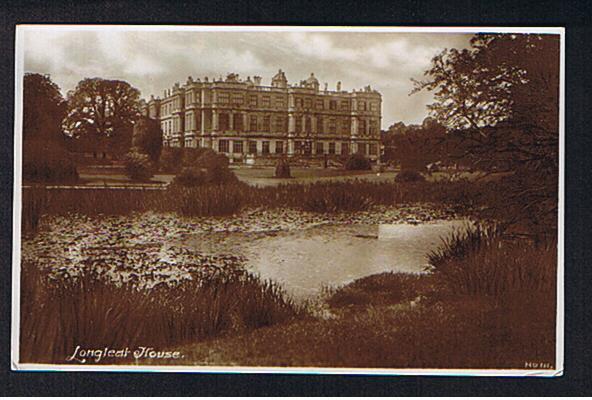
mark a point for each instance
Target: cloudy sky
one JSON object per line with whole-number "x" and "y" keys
{"x": 154, "y": 60}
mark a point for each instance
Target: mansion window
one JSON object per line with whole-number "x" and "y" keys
{"x": 224, "y": 121}
{"x": 252, "y": 147}
{"x": 345, "y": 148}
{"x": 189, "y": 98}
{"x": 344, "y": 105}
{"x": 266, "y": 101}
{"x": 223, "y": 146}
{"x": 189, "y": 122}
{"x": 280, "y": 124}
{"x": 320, "y": 125}
{"x": 320, "y": 104}
{"x": 298, "y": 102}
{"x": 279, "y": 102}
{"x": 253, "y": 100}
{"x": 373, "y": 149}
{"x": 265, "y": 147}
{"x": 362, "y": 148}
{"x": 362, "y": 106}
{"x": 373, "y": 127}
{"x": 345, "y": 126}
{"x": 253, "y": 123}
{"x": 308, "y": 124}
{"x": 362, "y": 127}
{"x": 223, "y": 98}
{"x": 332, "y": 125}
{"x": 307, "y": 103}
{"x": 373, "y": 106}
{"x": 279, "y": 147}
{"x": 237, "y": 122}
{"x": 331, "y": 147}
{"x": 332, "y": 105}
{"x": 298, "y": 123}
{"x": 237, "y": 146}
{"x": 320, "y": 148}
{"x": 237, "y": 100}
{"x": 266, "y": 123}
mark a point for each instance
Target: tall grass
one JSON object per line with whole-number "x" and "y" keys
{"x": 87, "y": 311}
{"x": 227, "y": 199}
{"x": 479, "y": 261}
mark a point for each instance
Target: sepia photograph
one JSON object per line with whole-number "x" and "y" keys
{"x": 352, "y": 200}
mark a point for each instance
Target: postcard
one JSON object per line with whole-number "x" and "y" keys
{"x": 281, "y": 199}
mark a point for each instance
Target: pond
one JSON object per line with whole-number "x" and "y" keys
{"x": 303, "y": 261}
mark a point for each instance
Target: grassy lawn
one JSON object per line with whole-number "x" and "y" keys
{"x": 109, "y": 175}
{"x": 265, "y": 176}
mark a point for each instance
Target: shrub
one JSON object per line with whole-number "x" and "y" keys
{"x": 138, "y": 166}
{"x": 190, "y": 176}
{"x": 282, "y": 169}
{"x": 190, "y": 155}
{"x": 409, "y": 175}
{"x": 357, "y": 162}
{"x": 170, "y": 160}
{"x": 213, "y": 165}
{"x": 47, "y": 161}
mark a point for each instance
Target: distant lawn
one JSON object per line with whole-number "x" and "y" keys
{"x": 93, "y": 175}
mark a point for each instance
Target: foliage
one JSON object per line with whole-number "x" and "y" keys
{"x": 204, "y": 166}
{"x": 480, "y": 261}
{"x": 207, "y": 200}
{"x": 357, "y": 162}
{"x": 409, "y": 175}
{"x": 502, "y": 98}
{"x": 191, "y": 155}
{"x": 331, "y": 199}
{"x": 190, "y": 176}
{"x": 282, "y": 169}
{"x": 462, "y": 196}
{"x": 415, "y": 146}
{"x": 147, "y": 138}
{"x": 47, "y": 161}
{"x": 138, "y": 166}
{"x": 170, "y": 159}
{"x": 101, "y": 107}
{"x": 59, "y": 314}
{"x": 43, "y": 108}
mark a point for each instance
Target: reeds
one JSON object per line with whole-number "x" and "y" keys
{"x": 230, "y": 198}
{"x": 88, "y": 311}
{"x": 479, "y": 261}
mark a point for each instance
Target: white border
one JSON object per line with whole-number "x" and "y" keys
{"x": 16, "y": 254}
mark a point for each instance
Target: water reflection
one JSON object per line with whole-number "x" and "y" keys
{"x": 303, "y": 261}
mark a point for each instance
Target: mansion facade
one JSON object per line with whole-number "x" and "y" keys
{"x": 243, "y": 118}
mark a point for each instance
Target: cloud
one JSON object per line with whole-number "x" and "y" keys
{"x": 153, "y": 61}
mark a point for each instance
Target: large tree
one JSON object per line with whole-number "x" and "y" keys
{"x": 502, "y": 96}
{"x": 103, "y": 108}
{"x": 44, "y": 108}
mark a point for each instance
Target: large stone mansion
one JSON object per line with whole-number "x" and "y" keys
{"x": 244, "y": 118}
